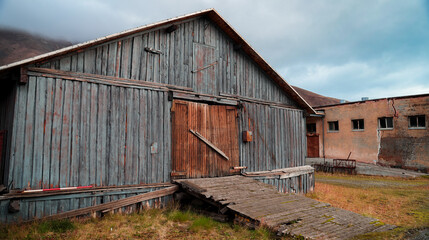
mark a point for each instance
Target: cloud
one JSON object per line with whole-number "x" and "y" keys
{"x": 340, "y": 48}
{"x": 354, "y": 80}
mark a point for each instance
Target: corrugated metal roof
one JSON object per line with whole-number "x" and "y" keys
{"x": 211, "y": 14}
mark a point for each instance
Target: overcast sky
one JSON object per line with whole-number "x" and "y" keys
{"x": 338, "y": 48}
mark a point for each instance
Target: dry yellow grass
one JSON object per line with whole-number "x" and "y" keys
{"x": 397, "y": 201}
{"x": 167, "y": 223}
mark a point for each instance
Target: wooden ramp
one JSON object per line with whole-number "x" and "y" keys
{"x": 254, "y": 201}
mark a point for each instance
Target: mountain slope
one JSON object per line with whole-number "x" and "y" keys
{"x": 17, "y": 45}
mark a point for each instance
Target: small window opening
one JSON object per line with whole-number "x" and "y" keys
{"x": 333, "y": 126}
{"x": 311, "y": 128}
{"x": 385, "y": 123}
{"x": 358, "y": 124}
{"x": 418, "y": 121}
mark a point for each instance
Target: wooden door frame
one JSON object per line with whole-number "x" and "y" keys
{"x": 234, "y": 154}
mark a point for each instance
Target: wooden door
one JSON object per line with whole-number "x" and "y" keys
{"x": 205, "y": 140}
{"x": 312, "y": 145}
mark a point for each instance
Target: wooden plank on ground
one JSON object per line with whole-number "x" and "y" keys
{"x": 115, "y": 204}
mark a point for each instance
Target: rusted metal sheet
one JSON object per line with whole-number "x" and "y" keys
{"x": 218, "y": 124}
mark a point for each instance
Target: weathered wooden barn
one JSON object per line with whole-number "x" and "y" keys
{"x": 127, "y": 113}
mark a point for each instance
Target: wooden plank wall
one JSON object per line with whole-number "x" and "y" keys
{"x": 38, "y": 207}
{"x": 278, "y": 137}
{"x": 235, "y": 72}
{"x": 299, "y": 184}
{"x": 72, "y": 133}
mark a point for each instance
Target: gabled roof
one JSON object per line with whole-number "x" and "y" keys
{"x": 209, "y": 13}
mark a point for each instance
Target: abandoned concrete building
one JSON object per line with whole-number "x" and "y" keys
{"x": 389, "y": 132}
{"x": 125, "y": 114}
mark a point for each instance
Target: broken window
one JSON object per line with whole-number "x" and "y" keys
{"x": 333, "y": 126}
{"x": 311, "y": 128}
{"x": 385, "y": 123}
{"x": 358, "y": 124}
{"x": 418, "y": 121}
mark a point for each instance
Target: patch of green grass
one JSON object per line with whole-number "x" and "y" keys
{"x": 56, "y": 226}
{"x": 377, "y": 223}
{"x": 329, "y": 219}
{"x": 179, "y": 216}
{"x": 261, "y": 233}
{"x": 397, "y": 233}
{"x": 203, "y": 223}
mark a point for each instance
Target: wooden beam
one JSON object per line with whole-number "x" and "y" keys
{"x": 257, "y": 100}
{"x": 114, "y": 204}
{"x": 23, "y": 76}
{"x": 202, "y": 68}
{"x": 86, "y": 77}
{"x": 202, "y": 98}
{"x": 15, "y": 195}
{"x": 206, "y": 141}
{"x": 281, "y": 173}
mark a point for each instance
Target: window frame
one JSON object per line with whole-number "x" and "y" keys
{"x": 359, "y": 129}
{"x": 336, "y": 123}
{"x": 417, "y": 122}
{"x": 386, "y": 123}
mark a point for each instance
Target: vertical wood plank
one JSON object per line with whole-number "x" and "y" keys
{"x": 126, "y": 55}
{"x": 114, "y": 137}
{"x": 47, "y": 129}
{"x": 167, "y": 139}
{"x": 111, "y": 63}
{"x": 17, "y": 150}
{"x": 135, "y": 135}
{"x": 144, "y": 58}
{"x": 129, "y": 133}
{"x": 156, "y": 57}
{"x": 39, "y": 124}
{"x": 90, "y": 61}
{"x": 65, "y": 63}
{"x": 84, "y": 132}
{"x": 102, "y": 126}
{"x": 29, "y": 133}
{"x": 92, "y": 131}
{"x": 121, "y": 158}
{"x": 56, "y": 132}
{"x": 136, "y": 57}
{"x": 171, "y": 58}
{"x": 142, "y": 173}
{"x": 76, "y": 134}
{"x": 65, "y": 135}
